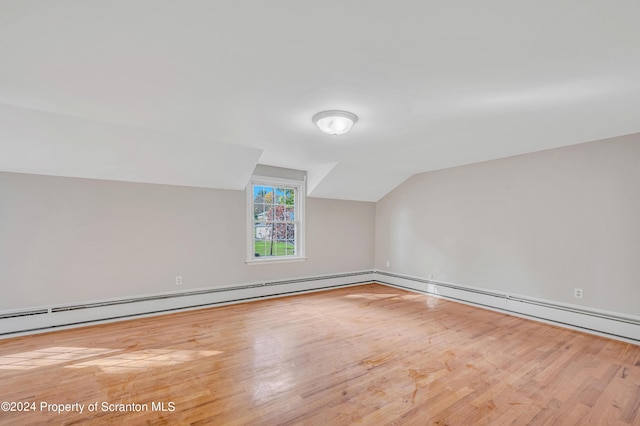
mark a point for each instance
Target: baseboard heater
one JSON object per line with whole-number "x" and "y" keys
{"x": 621, "y": 327}
{"x": 48, "y": 318}
{"x": 19, "y": 314}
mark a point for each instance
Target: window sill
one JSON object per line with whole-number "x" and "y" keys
{"x": 266, "y": 261}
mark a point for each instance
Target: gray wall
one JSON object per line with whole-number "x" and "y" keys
{"x": 536, "y": 225}
{"x": 65, "y": 240}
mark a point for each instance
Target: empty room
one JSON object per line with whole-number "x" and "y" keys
{"x": 319, "y": 213}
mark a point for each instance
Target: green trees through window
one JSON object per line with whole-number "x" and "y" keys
{"x": 275, "y": 225}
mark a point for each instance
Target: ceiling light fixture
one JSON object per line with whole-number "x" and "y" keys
{"x": 334, "y": 122}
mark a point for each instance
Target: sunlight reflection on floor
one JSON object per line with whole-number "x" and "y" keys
{"x": 429, "y": 301}
{"x": 49, "y": 356}
{"x": 111, "y": 363}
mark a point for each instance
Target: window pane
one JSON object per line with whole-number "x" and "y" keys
{"x": 291, "y": 248}
{"x": 279, "y": 248}
{"x": 268, "y": 214}
{"x": 269, "y": 196}
{"x": 290, "y": 233}
{"x": 259, "y": 231}
{"x": 279, "y": 231}
{"x": 290, "y": 197}
{"x": 258, "y": 194}
{"x": 260, "y": 248}
{"x": 259, "y": 212}
{"x": 289, "y": 214}
{"x": 279, "y": 213}
{"x": 279, "y": 196}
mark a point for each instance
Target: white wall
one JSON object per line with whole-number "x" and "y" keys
{"x": 66, "y": 240}
{"x": 535, "y": 225}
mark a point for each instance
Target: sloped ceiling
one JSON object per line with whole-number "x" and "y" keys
{"x": 198, "y": 92}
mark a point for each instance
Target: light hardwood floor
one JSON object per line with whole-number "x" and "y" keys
{"x": 368, "y": 355}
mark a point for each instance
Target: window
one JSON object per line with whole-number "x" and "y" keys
{"x": 275, "y": 219}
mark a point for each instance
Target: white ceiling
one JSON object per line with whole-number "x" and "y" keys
{"x": 198, "y": 92}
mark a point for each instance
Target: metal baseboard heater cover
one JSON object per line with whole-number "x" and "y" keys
{"x": 202, "y": 292}
{"x": 42, "y": 319}
{"x": 508, "y": 304}
{"x": 23, "y": 313}
{"x": 49, "y": 318}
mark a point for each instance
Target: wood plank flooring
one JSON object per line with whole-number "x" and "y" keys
{"x": 367, "y": 355}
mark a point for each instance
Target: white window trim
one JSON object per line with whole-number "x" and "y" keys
{"x": 300, "y": 186}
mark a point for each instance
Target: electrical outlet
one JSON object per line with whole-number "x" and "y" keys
{"x": 577, "y": 293}
{"x": 388, "y": 264}
{"x": 179, "y": 280}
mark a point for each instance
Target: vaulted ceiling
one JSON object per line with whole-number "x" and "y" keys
{"x": 197, "y": 92}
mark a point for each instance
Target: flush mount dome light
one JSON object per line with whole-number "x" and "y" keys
{"x": 334, "y": 122}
